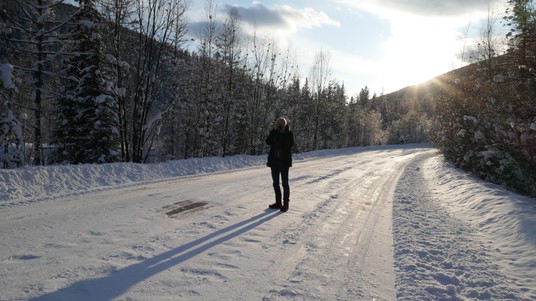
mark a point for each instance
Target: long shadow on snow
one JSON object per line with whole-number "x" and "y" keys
{"x": 118, "y": 282}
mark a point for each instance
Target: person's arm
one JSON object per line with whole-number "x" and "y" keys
{"x": 291, "y": 139}
{"x": 271, "y": 137}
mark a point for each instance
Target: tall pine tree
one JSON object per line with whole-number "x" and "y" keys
{"x": 88, "y": 126}
{"x": 11, "y": 140}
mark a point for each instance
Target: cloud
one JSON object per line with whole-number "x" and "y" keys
{"x": 421, "y": 7}
{"x": 281, "y": 17}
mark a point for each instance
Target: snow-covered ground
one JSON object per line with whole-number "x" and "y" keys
{"x": 382, "y": 223}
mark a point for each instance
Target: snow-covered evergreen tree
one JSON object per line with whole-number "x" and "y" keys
{"x": 88, "y": 126}
{"x": 11, "y": 139}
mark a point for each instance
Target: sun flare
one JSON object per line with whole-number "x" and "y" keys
{"x": 415, "y": 53}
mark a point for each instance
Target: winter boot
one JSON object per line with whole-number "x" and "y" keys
{"x": 284, "y": 208}
{"x": 277, "y": 204}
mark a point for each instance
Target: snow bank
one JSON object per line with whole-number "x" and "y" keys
{"x": 31, "y": 182}
{"x": 50, "y": 181}
{"x": 507, "y": 218}
{"x": 460, "y": 238}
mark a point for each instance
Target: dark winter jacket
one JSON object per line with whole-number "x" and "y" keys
{"x": 280, "y": 147}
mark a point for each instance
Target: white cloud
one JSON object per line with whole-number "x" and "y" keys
{"x": 420, "y": 7}
{"x": 281, "y": 19}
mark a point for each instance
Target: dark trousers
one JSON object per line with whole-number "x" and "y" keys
{"x": 278, "y": 170}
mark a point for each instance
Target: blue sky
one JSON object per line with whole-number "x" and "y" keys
{"x": 383, "y": 44}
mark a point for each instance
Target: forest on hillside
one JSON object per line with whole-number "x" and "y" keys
{"x": 112, "y": 81}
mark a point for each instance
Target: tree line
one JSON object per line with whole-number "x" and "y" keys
{"x": 112, "y": 81}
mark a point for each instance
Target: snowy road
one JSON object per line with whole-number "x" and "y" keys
{"x": 211, "y": 238}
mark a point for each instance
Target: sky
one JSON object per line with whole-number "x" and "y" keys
{"x": 382, "y": 44}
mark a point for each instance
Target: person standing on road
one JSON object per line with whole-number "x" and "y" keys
{"x": 281, "y": 140}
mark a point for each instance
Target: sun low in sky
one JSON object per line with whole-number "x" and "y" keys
{"x": 383, "y": 44}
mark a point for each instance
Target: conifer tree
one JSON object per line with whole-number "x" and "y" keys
{"x": 521, "y": 15}
{"x": 88, "y": 126}
{"x": 11, "y": 140}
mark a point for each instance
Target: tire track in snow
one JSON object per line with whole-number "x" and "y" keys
{"x": 326, "y": 247}
{"x": 334, "y": 250}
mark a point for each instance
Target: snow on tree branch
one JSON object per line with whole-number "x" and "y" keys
{"x": 6, "y": 74}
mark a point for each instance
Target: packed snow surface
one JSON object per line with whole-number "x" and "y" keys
{"x": 382, "y": 223}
